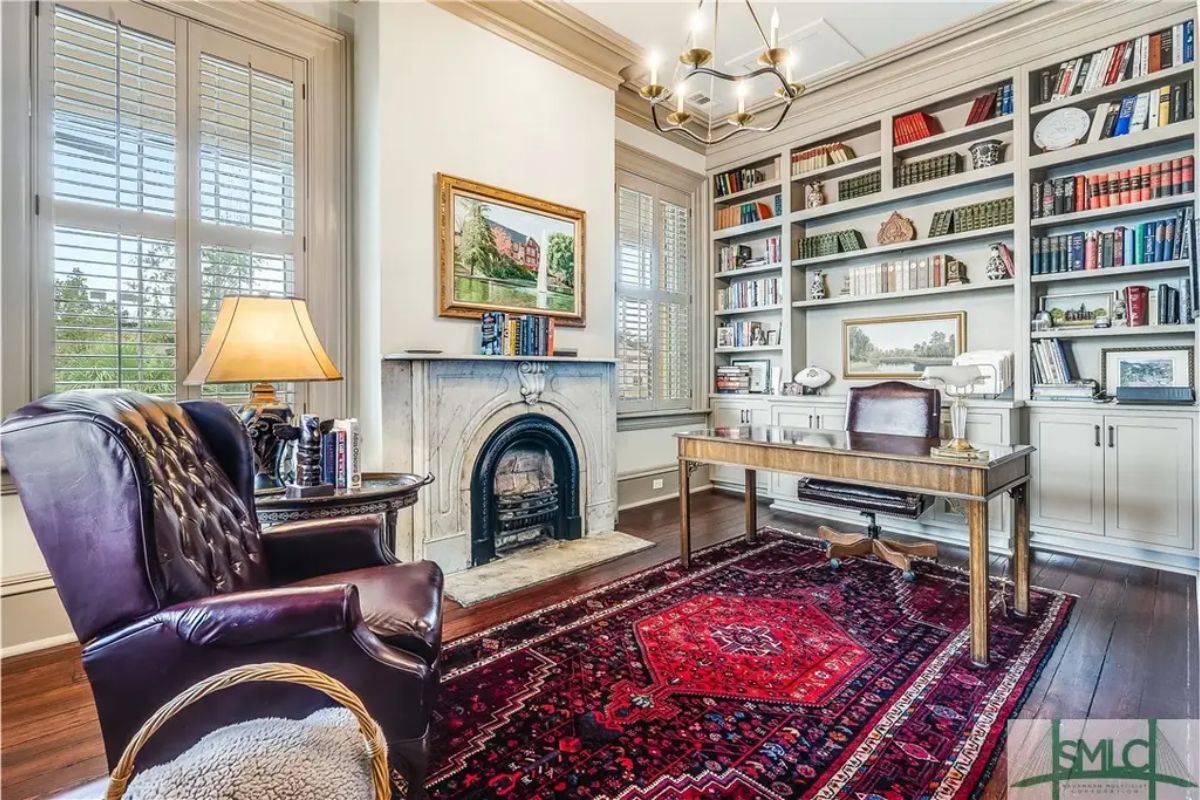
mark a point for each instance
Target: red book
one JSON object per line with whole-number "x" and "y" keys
{"x": 1176, "y": 176}
{"x": 1111, "y": 75}
{"x": 1136, "y": 302}
{"x": 1144, "y": 182}
{"x": 1119, "y": 246}
{"x": 1114, "y": 189}
{"x": 1188, "y": 173}
{"x": 1089, "y": 250}
{"x": 1154, "y": 57}
{"x": 1123, "y": 183}
{"x": 1093, "y": 191}
{"x": 1080, "y": 192}
{"x": 1155, "y": 180}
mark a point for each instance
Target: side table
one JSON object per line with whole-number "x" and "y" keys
{"x": 381, "y": 493}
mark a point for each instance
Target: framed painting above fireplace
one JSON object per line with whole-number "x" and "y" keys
{"x": 503, "y": 251}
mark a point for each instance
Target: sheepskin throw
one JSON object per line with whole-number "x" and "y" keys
{"x": 323, "y": 757}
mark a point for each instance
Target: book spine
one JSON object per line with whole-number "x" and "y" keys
{"x": 354, "y": 460}
{"x": 339, "y": 434}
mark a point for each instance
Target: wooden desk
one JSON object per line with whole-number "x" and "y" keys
{"x": 890, "y": 462}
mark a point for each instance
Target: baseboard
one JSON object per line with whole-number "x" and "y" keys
{"x": 25, "y": 648}
{"x": 637, "y": 488}
{"x": 649, "y": 501}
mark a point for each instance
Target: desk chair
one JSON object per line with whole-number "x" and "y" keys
{"x": 892, "y": 408}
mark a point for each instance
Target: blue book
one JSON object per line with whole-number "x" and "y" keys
{"x": 1189, "y": 41}
{"x": 1127, "y": 104}
{"x": 1076, "y": 251}
{"x": 1006, "y": 101}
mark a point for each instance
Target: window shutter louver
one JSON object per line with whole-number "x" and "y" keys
{"x": 634, "y": 349}
{"x": 635, "y": 212}
{"x": 676, "y": 265}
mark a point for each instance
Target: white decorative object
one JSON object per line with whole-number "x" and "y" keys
{"x": 956, "y": 381}
{"x": 814, "y": 195}
{"x": 816, "y": 289}
{"x": 996, "y": 366}
{"x": 532, "y": 375}
{"x": 813, "y": 378}
{"x": 1061, "y": 129}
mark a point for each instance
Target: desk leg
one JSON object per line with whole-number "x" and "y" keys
{"x": 1020, "y": 550}
{"x": 685, "y": 514}
{"x": 977, "y": 524}
{"x": 751, "y": 504}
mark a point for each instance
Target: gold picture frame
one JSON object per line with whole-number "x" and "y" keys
{"x": 858, "y": 362}
{"x": 518, "y": 261}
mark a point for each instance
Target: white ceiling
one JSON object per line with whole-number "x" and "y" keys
{"x": 824, "y": 36}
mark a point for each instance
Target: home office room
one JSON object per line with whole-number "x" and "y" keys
{"x": 595, "y": 399}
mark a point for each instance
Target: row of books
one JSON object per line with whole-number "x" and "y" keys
{"x": 747, "y": 333}
{"x": 995, "y": 103}
{"x": 502, "y": 334}
{"x": 750, "y": 294}
{"x": 914, "y": 127}
{"x": 744, "y": 213}
{"x": 1145, "y": 55}
{"x": 341, "y": 455}
{"x": 827, "y": 244}
{"x": 737, "y": 180}
{"x": 1155, "y": 108}
{"x": 1148, "y": 243}
{"x": 1105, "y": 189}
{"x": 741, "y": 256}
{"x": 973, "y": 217}
{"x": 824, "y": 155}
{"x": 859, "y": 185}
{"x": 732, "y": 379}
{"x": 1051, "y": 363}
{"x": 928, "y": 169}
{"x": 898, "y": 276}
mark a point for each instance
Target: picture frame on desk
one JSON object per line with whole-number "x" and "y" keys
{"x": 1166, "y": 366}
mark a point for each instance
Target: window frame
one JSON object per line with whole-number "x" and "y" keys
{"x": 664, "y": 181}
{"x": 273, "y": 40}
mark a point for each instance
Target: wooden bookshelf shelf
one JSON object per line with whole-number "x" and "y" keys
{"x": 968, "y": 178}
{"x": 1087, "y": 333}
{"x": 936, "y": 290}
{"x": 917, "y": 244}
{"x": 738, "y": 312}
{"x": 1177, "y": 131}
{"x": 1111, "y": 272}
{"x": 730, "y": 274}
{"x": 1174, "y": 201}
{"x": 858, "y": 164}
{"x": 758, "y": 348}
{"x": 762, "y": 188}
{"x": 749, "y": 228}
{"x": 947, "y": 139}
{"x": 1116, "y": 90}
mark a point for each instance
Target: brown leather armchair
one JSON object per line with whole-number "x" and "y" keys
{"x": 894, "y": 409}
{"x": 144, "y": 511}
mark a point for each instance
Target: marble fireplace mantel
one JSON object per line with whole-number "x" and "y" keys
{"x": 439, "y": 410}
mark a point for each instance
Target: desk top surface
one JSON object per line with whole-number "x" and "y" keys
{"x": 867, "y": 445}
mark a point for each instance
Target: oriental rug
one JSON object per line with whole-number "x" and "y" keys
{"x": 761, "y": 672}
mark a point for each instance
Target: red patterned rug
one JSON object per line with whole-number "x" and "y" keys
{"x": 759, "y": 673}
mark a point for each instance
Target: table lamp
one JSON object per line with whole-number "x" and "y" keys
{"x": 257, "y": 340}
{"x": 958, "y": 378}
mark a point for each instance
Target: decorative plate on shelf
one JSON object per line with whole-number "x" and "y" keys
{"x": 1062, "y": 128}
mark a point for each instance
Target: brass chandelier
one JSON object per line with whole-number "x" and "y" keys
{"x": 695, "y": 59}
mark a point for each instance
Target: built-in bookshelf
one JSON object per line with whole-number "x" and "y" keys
{"x": 868, "y": 176}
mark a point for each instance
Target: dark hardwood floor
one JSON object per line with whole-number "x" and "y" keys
{"x": 1130, "y": 649}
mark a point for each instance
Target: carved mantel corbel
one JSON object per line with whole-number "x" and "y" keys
{"x": 532, "y": 375}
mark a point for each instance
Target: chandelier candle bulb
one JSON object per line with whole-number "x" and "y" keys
{"x": 775, "y": 29}
{"x": 653, "y": 68}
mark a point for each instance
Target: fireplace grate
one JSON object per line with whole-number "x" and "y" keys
{"x": 523, "y": 517}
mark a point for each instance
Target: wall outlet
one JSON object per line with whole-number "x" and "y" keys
{"x": 657, "y": 483}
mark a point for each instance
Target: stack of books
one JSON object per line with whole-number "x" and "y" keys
{"x": 503, "y": 334}
{"x": 737, "y": 180}
{"x": 914, "y": 127}
{"x": 1136, "y": 184}
{"x": 928, "y": 169}
{"x": 1141, "y": 112}
{"x": 750, "y": 294}
{"x": 733, "y": 380}
{"x": 1145, "y": 55}
{"x": 739, "y": 256}
{"x": 976, "y": 216}
{"x": 823, "y": 155}
{"x": 898, "y": 276}
{"x": 995, "y": 103}
{"x": 1084, "y": 391}
{"x": 341, "y": 455}
{"x": 1147, "y": 243}
{"x": 827, "y": 244}
{"x": 859, "y": 185}
{"x": 745, "y": 213}
{"x": 747, "y": 333}
{"x": 1051, "y": 362}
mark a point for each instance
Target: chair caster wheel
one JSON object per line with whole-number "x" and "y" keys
{"x": 908, "y": 575}
{"x": 834, "y": 563}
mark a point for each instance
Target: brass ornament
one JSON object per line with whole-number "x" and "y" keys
{"x": 896, "y": 229}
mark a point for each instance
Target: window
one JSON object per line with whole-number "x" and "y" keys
{"x": 174, "y": 178}
{"x": 654, "y": 296}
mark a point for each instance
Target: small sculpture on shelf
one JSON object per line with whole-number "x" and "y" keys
{"x": 986, "y": 153}
{"x": 814, "y": 195}
{"x": 997, "y": 269}
{"x": 845, "y": 285}
{"x": 956, "y": 272}
{"x": 816, "y": 288}
{"x": 896, "y": 229}
{"x": 307, "y": 435}
{"x": 1118, "y": 317}
{"x": 1040, "y": 322}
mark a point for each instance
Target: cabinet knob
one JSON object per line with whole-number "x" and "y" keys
{"x": 1097, "y": 427}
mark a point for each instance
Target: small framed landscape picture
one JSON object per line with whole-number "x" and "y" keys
{"x": 503, "y": 251}
{"x": 901, "y": 347}
{"x": 1079, "y": 309}
{"x": 1146, "y": 366}
{"x": 760, "y": 373}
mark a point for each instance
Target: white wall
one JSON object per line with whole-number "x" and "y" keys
{"x": 659, "y": 146}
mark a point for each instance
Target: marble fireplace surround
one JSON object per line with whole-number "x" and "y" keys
{"x": 439, "y": 410}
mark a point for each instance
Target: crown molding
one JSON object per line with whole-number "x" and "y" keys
{"x": 554, "y": 30}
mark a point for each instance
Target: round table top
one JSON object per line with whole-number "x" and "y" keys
{"x": 376, "y": 487}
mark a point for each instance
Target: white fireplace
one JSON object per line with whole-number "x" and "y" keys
{"x": 440, "y": 411}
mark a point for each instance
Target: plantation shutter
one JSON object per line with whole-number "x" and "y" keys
{"x": 654, "y": 279}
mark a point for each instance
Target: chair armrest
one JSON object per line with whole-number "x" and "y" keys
{"x": 245, "y": 618}
{"x": 296, "y": 551}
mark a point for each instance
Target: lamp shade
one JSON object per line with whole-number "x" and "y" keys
{"x": 262, "y": 339}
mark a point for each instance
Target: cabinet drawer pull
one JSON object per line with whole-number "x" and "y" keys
{"x": 810, "y": 420}
{"x": 818, "y": 421}
{"x": 1097, "y": 435}
{"x": 1110, "y": 436}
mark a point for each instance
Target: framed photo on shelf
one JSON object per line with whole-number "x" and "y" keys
{"x": 760, "y": 372}
{"x": 1146, "y": 366}
{"x": 1079, "y": 309}
{"x": 902, "y": 346}
{"x": 725, "y": 337}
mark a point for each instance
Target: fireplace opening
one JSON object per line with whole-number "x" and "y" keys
{"x": 524, "y": 489}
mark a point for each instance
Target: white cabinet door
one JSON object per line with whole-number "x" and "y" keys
{"x": 983, "y": 425}
{"x": 727, "y": 415}
{"x": 1149, "y": 479}
{"x": 789, "y": 416}
{"x": 830, "y": 419}
{"x": 1067, "y": 488}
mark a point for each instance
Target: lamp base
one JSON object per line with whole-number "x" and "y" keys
{"x": 320, "y": 490}
{"x": 958, "y": 448}
{"x": 260, "y": 414}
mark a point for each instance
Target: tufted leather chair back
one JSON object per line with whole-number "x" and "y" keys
{"x": 137, "y": 503}
{"x": 894, "y": 407}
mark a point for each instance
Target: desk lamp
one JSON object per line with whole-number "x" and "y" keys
{"x": 955, "y": 380}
